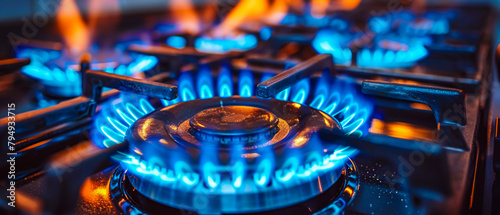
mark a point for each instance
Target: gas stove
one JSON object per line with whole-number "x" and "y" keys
{"x": 269, "y": 108}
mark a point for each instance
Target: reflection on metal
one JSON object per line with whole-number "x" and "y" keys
{"x": 402, "y": 130}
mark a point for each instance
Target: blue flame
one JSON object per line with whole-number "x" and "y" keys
{"x": 265, "y": 176}
{"x": 225, "y": 83}
{"x": 140, "y": 64}
{"x": 204, "y": 83}
{"x": 41, "y": 69}
{"x": 430, "y": 23}
{"x": 399, "y": 39}
{"x": 176, "y": 42}
{"x": 290, "y": 19}
{"x": 118, "y": 115}
{"x": 351, "y": 109}
{"x": 245, "y": 83}
{"x": 330, "y": 41}
{"x": 265, "y": 33}
{"x": 339, "y": 24}
{"x": 310, "y": 20}
{"x": 300, "y": 91}
{"x": 394, "y": 51}
{"x": 407, "y": 23}
{"x": 379, "y": 24}
{"x": 321, "y": 93}
{"x": 186, "y": 88}
{"x": 223, "y": 45}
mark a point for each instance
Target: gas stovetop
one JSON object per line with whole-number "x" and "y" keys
{"x": 352, "y": 112}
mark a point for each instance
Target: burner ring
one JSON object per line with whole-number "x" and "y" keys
{"x": 333, "y": 200}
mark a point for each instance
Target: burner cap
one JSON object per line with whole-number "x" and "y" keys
{"x": 239, "y": 124}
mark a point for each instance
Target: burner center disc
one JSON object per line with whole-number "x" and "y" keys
{"x": 234, "y": 121}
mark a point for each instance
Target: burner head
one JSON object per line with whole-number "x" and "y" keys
{"x": 234, "y": 124}
{"x": 253, "y": 154}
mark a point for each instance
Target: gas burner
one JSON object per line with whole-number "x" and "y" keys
{"x": 217, "y": 147}
{"x": 431, "y": 23}
{"x": 235, "y": 148}
{"x": 336, "y": 43}
{"x": 64, "y": 81}
{"x": 408, "y": 23}
{"x": 393, "y": 51}
{"x": 384, "y": 51}
{"x": 337, "y": 98}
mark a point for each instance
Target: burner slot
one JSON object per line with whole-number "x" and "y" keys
{"x": 293, "y": 75}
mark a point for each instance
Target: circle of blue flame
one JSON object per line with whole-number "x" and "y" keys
{"x": 410, "y": 31}
{"x": 39, "y": 68}
{"x": 335, "y": 98}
